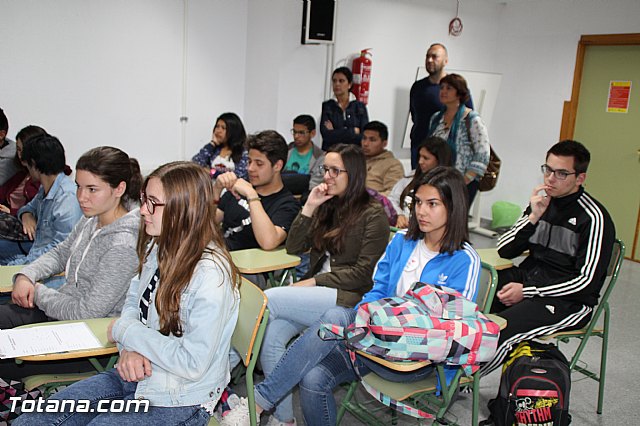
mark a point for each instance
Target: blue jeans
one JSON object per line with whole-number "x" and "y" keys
{"x": 319, "y": 366}
{"x": 109, "y": 385}
{"x": 299, "y": 358}
{"x": 291, "y": 311}
{"x": 11, "y": 250}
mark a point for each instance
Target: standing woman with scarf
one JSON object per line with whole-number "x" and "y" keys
{"x": 464, "y": 131}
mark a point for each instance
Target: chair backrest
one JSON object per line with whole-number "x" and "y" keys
{"x": 252, "y": 321}
{"x": 617, "y": 256}
{"x": 486, "y": 287}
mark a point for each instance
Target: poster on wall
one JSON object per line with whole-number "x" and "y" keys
{"x": 618, "y": 99}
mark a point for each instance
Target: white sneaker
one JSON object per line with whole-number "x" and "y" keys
{"x": 238, "y": 416}
{"x": 275, "y": 422}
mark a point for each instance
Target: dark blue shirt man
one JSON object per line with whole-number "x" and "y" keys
{"x": 424, "y": 99}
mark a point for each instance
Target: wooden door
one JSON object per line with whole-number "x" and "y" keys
{"x": 612, "y": 137}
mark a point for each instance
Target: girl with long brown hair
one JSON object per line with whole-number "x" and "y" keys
{"x": 175, "y": 330}
{"x": 346, "y": 231}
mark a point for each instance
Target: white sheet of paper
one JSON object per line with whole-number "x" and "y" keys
{"x": 47, "y": 339}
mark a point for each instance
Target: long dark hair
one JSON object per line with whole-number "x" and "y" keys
{"x": 453, "y": 192}
{"x": 113, "y": 166}
{"x": 236, "y": 135}
{"x": 335, "y": 217}
{"x": 437, "y": 147}
{"x": 188, "y": 228}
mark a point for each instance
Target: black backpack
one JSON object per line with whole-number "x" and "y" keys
{"x": 534, "y": 388}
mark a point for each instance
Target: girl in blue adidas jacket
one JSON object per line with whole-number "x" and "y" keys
{"x": 434, "y": 249}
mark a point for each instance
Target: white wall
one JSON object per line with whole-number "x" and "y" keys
{"x": 110, "y": 73}
{"x": 286, "y": 78}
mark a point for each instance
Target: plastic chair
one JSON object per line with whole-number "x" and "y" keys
{"x": 423, "y": 394}
{"x": 617, "y": 256}
{"x": 247, "y": 336}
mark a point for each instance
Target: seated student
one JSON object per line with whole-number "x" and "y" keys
{"x": 347, "y": 232}
{"x": 98, "y": 258}
{"x": 51, "y": 215}
{"x": 257, "y": 213}
{"x": 21, "y": 188}
{"x": 432, "y": 152}
{"x": 175, "y": 330}
{"x": 226, "y": 151}
{"x": 302, "y": 171}
{"x": 434, "y": 249}
{"x": 383, "y": 169}
{"x": 8, "y": 168}
{"x": 570, "y": 237}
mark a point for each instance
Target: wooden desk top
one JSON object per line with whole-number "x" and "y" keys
{"x": 491, "y": 256}
{"x": 255, "y": 260}
{"x": 97, "y": 325}
{"x": 6, "y": 276}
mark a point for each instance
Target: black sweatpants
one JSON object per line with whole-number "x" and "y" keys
{"x": 532, "y": 317}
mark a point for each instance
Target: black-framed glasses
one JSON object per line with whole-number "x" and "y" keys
{"x": 334, "y": 172}
{"x": 295, "y": 132}
{"x": 151, "y": 205}
{"x": 559, "y": 174}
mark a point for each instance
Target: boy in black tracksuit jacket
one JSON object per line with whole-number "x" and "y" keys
{"x": 570, "y": 239}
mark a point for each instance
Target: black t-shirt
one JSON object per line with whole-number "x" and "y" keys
{"x": 281, "y": 207}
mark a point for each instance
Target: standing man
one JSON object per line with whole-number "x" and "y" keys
{"x": 570, "y": 238}
{"x": 257, "y": 213}
{"x": 304, "y": 158}
{"x": 8, "y": 166}
{"x": 383, "y": 169}
{"x": 424, "y": 98}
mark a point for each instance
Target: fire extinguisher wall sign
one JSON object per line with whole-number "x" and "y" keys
{"x": 361, "y": 76}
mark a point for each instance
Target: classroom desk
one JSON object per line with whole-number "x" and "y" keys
{"x": 6, "y": 276}
{"x": 97, "y": 325}
{"x": 491, "y": 256}
{"x": 256, "y": 261}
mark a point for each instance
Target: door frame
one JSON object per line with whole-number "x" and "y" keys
{"x": 570, "y": 108}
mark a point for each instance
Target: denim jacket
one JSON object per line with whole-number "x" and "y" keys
{"x": 56, "y": 214}
{"x": 192, "y": 369}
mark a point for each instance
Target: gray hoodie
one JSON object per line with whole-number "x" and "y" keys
{"x": 98, "y": 264}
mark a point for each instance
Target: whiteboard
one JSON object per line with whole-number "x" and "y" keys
{"x": 484, "y": 87}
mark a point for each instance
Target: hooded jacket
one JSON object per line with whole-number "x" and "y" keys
{"x": 98, "y": 264}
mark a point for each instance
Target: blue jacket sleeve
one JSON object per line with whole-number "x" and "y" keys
{"x": 242, "y": 166}
{"x": 382, "y": 285}
{"x": 204, "y": 156}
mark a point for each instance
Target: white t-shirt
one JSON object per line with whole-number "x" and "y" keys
{"x": 412, "y": 271}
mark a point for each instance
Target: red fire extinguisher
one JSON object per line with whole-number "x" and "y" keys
{"x": 361, "y": 75}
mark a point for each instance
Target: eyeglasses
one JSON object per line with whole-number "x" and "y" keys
{"x": 295, "y": 132}
{"x": 334, "y": 172}
{"x": 151, "y": 205}
{"x": 559, "y": 174}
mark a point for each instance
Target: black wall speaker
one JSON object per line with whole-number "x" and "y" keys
{"x": 318, "y": 21}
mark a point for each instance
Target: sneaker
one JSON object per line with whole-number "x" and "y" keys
{"x": 238, "y": 416}
{"x": 275, "y": 422}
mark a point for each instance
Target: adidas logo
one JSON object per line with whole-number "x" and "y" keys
{"x": 551, "y": 308}
{"x": 442, "y": 279}
{"x": 572, "y": 221}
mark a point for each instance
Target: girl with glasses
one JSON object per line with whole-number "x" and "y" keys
{"x": 175, "y": 329}
{"x": 346, "y": 231}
